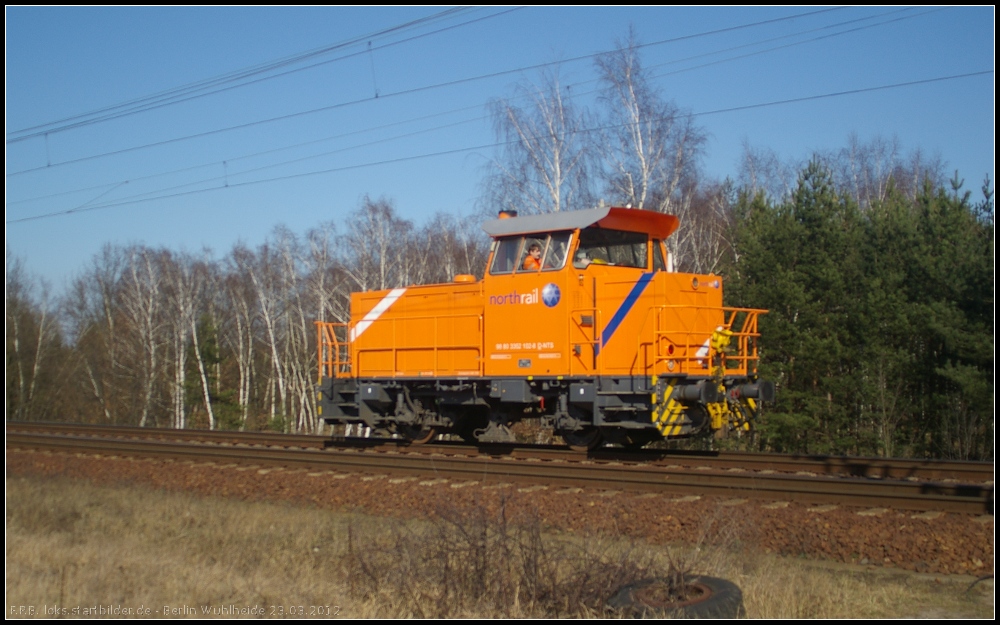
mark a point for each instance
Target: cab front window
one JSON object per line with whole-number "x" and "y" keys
{"x": 619, "y": 248}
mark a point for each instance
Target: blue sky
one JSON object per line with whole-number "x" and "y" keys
{"x": 177, "y": 176}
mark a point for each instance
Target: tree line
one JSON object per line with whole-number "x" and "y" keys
{"x": 878, "y": 273}
{"x": 880, "y": 331}
{"x": 151, "y": 337}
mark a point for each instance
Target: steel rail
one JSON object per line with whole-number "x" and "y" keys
{"x": 868, "y": 467}
{"x": 214, "y": 436}
{"x": 972, "y": 499}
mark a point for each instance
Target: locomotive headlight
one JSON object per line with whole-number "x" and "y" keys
{"x": 694, "y": 283}
{"x": 670, "y": 365}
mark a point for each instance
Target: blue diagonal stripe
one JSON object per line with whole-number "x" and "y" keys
{"x": 624, "y": 309}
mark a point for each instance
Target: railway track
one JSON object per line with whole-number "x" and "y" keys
{"x": 910, "y": 485}
{"x": 868, "y": 467}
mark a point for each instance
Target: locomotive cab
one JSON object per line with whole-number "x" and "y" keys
{"x": 552, "y": 317}
{"x": 578, "y": 320}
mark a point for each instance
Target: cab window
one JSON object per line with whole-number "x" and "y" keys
{"x": 556, "y": 248}
{"x": 619, "y": 248}
{"x": 506, "y": 255}
{"x": 516, "y": 254}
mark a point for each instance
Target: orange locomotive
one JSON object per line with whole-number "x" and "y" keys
{"x": 579, "y": 319}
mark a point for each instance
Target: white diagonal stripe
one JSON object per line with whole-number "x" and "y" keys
{"x": 376, "y": 312}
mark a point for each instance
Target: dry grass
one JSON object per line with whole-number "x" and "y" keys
{"x": 73, "y": 545}
{"x": 487, "y": 560}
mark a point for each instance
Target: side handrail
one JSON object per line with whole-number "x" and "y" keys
{"x": 576, "y": 316}
{"x": 732, "y": 343}
{"x": 333, "y": 352}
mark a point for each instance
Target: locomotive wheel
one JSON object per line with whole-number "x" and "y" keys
{"x": 416, "y": 434}
{"x": 582, "y": 440}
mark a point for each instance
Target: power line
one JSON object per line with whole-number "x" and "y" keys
{"x": 411, "y": 91}
{"x": 801, "y": 32}
{"x": 269, "y": 151}
{"x": 228, "y": 176}
{"x": 797, "y": 43}
{"x": 125, "y": 202}
{"x": 836, "y": 94}
{"x": 176, "y": 94}
{"x": 232, "y": 159}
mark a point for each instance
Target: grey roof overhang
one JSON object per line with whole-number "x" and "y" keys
{"x": 658, "y": 224}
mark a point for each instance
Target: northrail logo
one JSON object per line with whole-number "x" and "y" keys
{"x": 550, "y": 297}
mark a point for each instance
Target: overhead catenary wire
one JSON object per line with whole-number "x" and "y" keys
{"x": 169, "y": 96}
{"x": 52, "y": 127}
{"x": 232, "y": 159}
{"x": 85, "y": 208}
{"x": 575, "y": 88}
{"x": 411, "y": 91}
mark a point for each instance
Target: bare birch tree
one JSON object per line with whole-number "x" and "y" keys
{"x": 762, "y": 170}
{"x": 325, "y": 278}
{"x": 91, "y": 310}
{"x": 375, "y": 245}
{"x": 262, "y": 270}
{"x": 189, "y": 285}
{"x": 201, "y": 279}
{"x": 297, "y": 335}
{"x": 450, "y": 246}
{"x": 239, "y": 335}
{"x": 653, "y": 151}
{"x": 864, "y": 170}
{"x": 704, "y": 242}
{"x": 543, "y": 163}
{"x": 653, "y": 147}
{"x": 32, "y": 339}
{"x": 867, "y": 169}
{"x": 141, "y": 301}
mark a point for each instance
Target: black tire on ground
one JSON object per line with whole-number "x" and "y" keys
{"x": 712, "y": 597}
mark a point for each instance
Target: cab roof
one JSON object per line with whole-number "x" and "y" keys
{"x": 659, "y": 225}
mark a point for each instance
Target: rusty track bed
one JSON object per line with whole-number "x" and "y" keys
{"x": 551, "y": 466}
{"x": 965, "y": 472}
